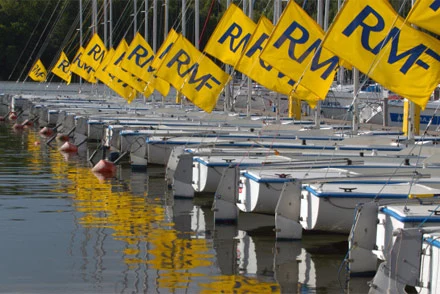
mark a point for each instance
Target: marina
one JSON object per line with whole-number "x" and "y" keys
{"x": 65, "y": 229}
{"x": 223, "y": 205}
{"x": 293, "y": 153}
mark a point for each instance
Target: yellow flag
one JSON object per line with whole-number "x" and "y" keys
{"x": 121, "y": 88}
{"x": 230, "y": 36}
{"x": 138, "y": 61}
{"x": 81, "y": 68}
{"x": 294, "y": 49}
{"x": 371, "y": 36}
{"x": 193, "y": 74}
{"x": 138, "y": 58}
{"x": 251, "y": 65}
{"x": 62, "y": 68}
{"x": 114, "y": 68}
{"x": 38, "y": 72}
{"x": 94, "y": 52}
{"x": 164, "y": 49}
{"x": 101, "y": 73}
{"x": 163, "y": 87}
{"x": 426, "y": 14}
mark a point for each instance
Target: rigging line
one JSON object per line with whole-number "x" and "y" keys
{"x": 55, "y": 58}
{"x": 206, "y": 21}
{"x": 70, "y": 36}
{"x": 134, "y": 15}
{"x": 39, "y": 39}
{"x": 119, "y": 23}
{"x": 29, "y": 39}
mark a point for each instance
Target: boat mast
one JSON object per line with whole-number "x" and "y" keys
{"x": 319, "y": 20}
{"x": 276, "y": 17}
{"x": 134, "y": 17}
{"x": 154, "y": 25}
{"x": 249, "y": 96}
{"x": 146, "y": 20}
{"x": 165, "y": 31}
{"x": 105, "y": 24}
{"x": 341, "y": 68}
{"x": 110, "y": 24}
{"x": 184, "y": 18}
{"x": 95, "y": 31}
{"x": 94, "y": 16}
{"x": 228, "y": 104}
{"x": 411, "y": 113}
{"x": 355, "y": 108}
{"x": 197, "y": 23}
{"x": 80, "y": 35}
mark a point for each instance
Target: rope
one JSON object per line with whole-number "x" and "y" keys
{"x": 206, "y": 21}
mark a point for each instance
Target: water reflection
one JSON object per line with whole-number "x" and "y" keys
{"x": 128, "y": 234}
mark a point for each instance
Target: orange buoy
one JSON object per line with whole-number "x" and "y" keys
{"x": 12, "y": 116}
{"x": 46, "y": 131}
{"x": 68, "y": 147}
{"x": 37, "y": 143}
{"x": 104, "y": 167}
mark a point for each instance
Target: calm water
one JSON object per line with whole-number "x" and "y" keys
{"x": 65, "y": 230}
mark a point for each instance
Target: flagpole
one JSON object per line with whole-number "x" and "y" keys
{"x": 166, "y": 19}
{"x": 197, "y": 23}
{"x": 146, "y": 21}
{"x": 412, "y": 127}
{"x": 249, "y": 96}
{"x": 95, "y": 31}
{"x": 276, "y": 16}
{"x": 355, "y": 107}
{"x": 110, "y": 22}
{"x": 184, "y": 18}
{"x": 154, "y": 25}
{"x": 80, "y": 36}
{"x": 228, "y": 104}
{"x": 319, "y": 20}
{"x": 134, "y": 17}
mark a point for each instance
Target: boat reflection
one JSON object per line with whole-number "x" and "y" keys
{"x": 130, "y": 234}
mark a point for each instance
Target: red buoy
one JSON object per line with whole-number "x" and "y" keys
{"x": 12, "y": 116}
{"x": 37, "y": 143}
{"x": 17, "y": 126}
{"x": 62, "y": 138}
{"x": 28, "y": 123}
{"x": 46, "y": 132}
{"x": 104, "y": 167}
{"x": 68, "y": 147}
{"x": 2, "y": 118}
